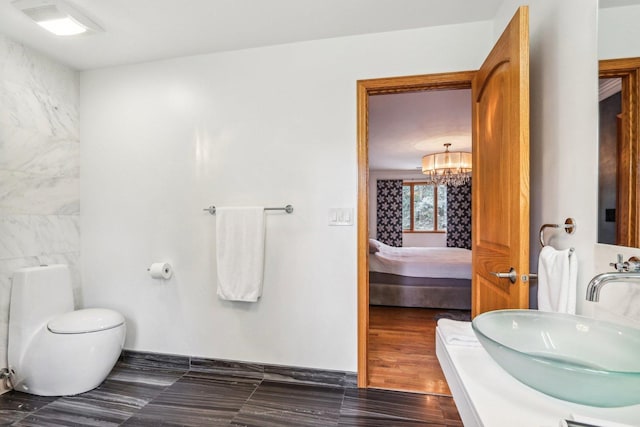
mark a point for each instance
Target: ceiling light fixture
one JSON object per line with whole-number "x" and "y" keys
{"x": 448, "y": 167}
{"x": 57, "y": 17}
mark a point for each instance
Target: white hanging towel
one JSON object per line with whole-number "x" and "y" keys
{"x": 557, "y": 280}
{"x": 240, "y": 252}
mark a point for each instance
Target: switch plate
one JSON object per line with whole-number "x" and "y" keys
{"x": 340, "y": 216}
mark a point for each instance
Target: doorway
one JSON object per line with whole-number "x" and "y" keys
{"x": 367, "y": 89}
{"x": 500, "y": 123}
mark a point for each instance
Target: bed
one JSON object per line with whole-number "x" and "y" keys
{"x": 433, "y": 277}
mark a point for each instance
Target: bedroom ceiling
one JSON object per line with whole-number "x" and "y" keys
{"x": 404, "y": 127}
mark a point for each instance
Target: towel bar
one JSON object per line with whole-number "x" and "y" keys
{"x": 288, "y": 209}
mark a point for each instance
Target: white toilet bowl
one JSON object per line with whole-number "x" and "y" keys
{"x": 53, "y": 350}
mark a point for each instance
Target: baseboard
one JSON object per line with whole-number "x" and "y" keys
{"x": 230, "y": 368}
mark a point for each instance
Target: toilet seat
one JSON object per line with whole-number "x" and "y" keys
{"x": 85, "y": 321}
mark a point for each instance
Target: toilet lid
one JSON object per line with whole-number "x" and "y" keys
{"x": 86, "y": 320}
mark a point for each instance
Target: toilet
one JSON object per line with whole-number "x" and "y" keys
{"x": 52, "y": 349}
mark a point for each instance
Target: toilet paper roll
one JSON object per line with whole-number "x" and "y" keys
{"x": 160, "y": 270}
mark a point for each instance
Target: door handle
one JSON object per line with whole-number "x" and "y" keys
{"x": 511, "y": 275}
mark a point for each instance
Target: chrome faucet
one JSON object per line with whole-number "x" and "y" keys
{"x": 626, "y": 271}
{"x": 632, "y": 265}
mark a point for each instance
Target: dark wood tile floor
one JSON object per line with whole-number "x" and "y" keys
{"x": 201, "y": 394}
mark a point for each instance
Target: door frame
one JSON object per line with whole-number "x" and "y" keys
{"x": 628, "y": 205}
{"x": 366, "y": 88}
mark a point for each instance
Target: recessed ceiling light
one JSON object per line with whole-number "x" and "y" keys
{"x": 57, "y": 16}
{"x": 63, "y": 26}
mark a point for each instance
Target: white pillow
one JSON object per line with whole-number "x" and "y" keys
{"x": 374, "y": 246}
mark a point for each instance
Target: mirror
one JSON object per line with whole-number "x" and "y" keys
{"x": 618, "y": 175}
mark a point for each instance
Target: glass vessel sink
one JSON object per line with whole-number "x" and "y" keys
{"x": 569, "y": 357}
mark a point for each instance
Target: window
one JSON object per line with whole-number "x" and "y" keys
{"x": 424, "y": 207}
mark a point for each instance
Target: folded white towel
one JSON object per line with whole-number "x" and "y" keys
{"x": 557, "y": 280}
{"x": 240, "y": 252}
{"x": 456, "y": 332}
{"x": 588, "y": 421}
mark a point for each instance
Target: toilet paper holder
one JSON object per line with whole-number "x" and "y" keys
{"x": 160, "y": 270}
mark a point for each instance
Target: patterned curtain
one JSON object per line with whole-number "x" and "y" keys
{"x": 389, "y": 213}
{"x": 459, "y": 216}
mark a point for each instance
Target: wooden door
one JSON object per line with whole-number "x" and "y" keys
{"x": 500, "y": 195}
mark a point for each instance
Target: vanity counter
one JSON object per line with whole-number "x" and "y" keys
{"x": 487, "y": 396}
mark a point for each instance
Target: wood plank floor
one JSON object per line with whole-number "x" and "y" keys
{"x": 402, "y": 354}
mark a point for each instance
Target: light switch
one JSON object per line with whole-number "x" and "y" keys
{"x": 340, "y": 216}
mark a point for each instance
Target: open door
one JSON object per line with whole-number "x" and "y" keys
{"x": 500, "y": 196}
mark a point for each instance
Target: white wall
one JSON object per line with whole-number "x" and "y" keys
{"x": 277, "y": 125}
{"x": 564, "y": 124}
{"x": 408, "y": 239}
{"x": 619, "y": 32}
{"x": 266, "y": 126}
{"x": 39, "y": 169}
{"x": 424, "y": 239}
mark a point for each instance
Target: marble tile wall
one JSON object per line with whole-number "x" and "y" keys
{"x": 39, "y": 168}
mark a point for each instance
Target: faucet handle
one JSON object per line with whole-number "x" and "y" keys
{"x": 632, "y": 265}
{"x": 620, "y": 265}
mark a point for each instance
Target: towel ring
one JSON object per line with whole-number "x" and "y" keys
{"x": 569, "y": 227}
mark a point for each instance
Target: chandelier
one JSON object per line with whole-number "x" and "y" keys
{"x": 448, "y": 167}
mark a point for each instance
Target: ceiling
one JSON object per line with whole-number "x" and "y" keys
{"x": 145, "y": 30}
{"x": 405, "y": 127}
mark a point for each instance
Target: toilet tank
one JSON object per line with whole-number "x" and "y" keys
{"x": 37, "y": 295}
